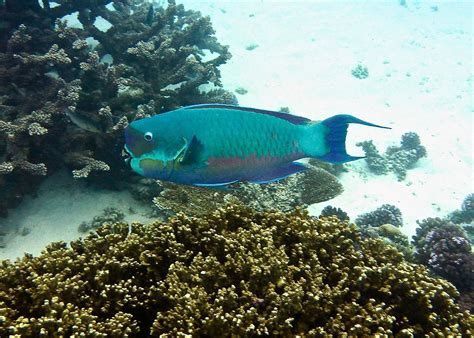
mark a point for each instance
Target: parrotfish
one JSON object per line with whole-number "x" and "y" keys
{"x": 217, "y": 145}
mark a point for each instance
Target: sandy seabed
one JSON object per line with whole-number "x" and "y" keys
{"x": 419, "y": 59}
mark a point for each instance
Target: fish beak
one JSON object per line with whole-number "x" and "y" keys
{"x": 126, "y": 155}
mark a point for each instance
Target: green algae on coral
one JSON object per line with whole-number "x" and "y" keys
{"x": 232, "y": 272}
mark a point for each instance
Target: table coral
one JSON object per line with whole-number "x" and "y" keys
{"x": 232, "y": 272}
{"x": 53, "y": 80}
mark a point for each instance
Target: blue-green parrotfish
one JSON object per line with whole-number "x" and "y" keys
{"x": 217, "y": 145}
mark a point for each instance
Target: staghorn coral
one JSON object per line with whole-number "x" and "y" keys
{"x": 232, "y": 272}
{"x": 386, "y": 214}
{"x": 312, "y": 186}
{"x": 54, "y": 89}
{"x": 395, "y": 159}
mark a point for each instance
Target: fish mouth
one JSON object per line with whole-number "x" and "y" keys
{"x": 126, "y": 155}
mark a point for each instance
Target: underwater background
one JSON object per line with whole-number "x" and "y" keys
{"x": 73, "y": 74}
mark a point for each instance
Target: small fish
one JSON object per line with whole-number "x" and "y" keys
{"x": 84, "y": 122}
{"x": 217, "y": 145}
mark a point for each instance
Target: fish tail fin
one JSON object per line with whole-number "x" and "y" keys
{"x": 333, "y": 142}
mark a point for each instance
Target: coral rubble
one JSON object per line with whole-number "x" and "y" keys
{"x": 311, "y": 186}
{"x": 66, "y": 93}
{"x": 232, "y": 272}
{"x": 397, "y": 159}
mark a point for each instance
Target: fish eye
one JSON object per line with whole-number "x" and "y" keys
{"x": 148, "y": 136}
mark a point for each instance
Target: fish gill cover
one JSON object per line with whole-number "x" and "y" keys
{"x": 58, "y": 83}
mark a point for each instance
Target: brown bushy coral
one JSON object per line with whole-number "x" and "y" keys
{"x": 232, "y": 272}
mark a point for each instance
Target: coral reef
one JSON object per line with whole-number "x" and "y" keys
{"x": 144, "y": 189}
{"x": 335, "y": 169}
{"x": 377, "y": 163}
{"x": 333, "y": 211}
{"x": 397, "y": 159}
{"x": 386, "y": 214}
{"x": 109, "y": 215}
{"x": 451, "y": 256}
{"x": 469, "y": 229}
{"x": 391, "y": 235}
{"x": 385, "y": 223}
{"x": 466, "y": 213}
{"x": 445, "y": 248}
{"x": 232, "y": 272}
{"x": 425, "y": 226}
{"x": 67, "y": 93}
{"x": 311, "y": 186}
{"x": 360, "y": 72}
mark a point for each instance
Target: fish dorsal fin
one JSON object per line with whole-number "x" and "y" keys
{"x": 191, "y": 152}
{"x": 284, "y": 116}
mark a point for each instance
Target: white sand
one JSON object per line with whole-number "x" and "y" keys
{"x": 420, "y": 79}
{"x": 63, "y": 203}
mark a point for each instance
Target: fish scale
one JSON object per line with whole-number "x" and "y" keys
{"x": 215, "y": 144}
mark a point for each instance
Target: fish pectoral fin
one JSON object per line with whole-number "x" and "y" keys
{"x": 277, "y": 173}
{"x": 191, "y": 153}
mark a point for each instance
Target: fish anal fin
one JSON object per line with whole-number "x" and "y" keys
{"x": 277, "y": 173}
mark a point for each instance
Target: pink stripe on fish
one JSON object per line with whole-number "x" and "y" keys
{"x": 233, "y": 162}
{"x": 236, "y": 161}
